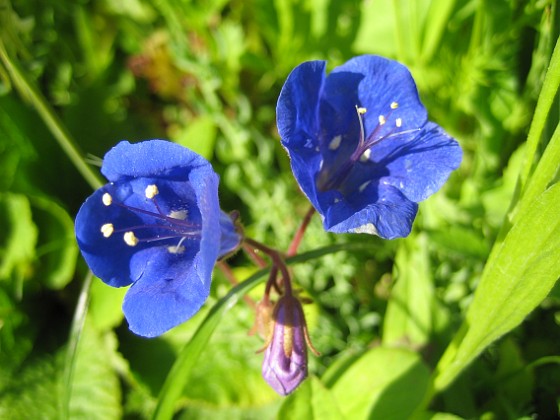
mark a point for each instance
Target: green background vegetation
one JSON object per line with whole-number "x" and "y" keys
{"x": 459, "y": 320}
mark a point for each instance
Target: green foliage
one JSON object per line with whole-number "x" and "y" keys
{"x": 459, "y": 320}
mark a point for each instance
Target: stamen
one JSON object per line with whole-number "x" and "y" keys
{"x": 107, "y": 229}
{"x": 335, "y": 142}
{"x": 151, "y": 191}
{"x": 394, "y": 105}
{"x": 398, "y": 122}
{"x": 364, "y": 186}
{"x": 176, "y": 249}
{"x": 398, "y": 133}
{"x": 130, "y": 238}
{"x": 179, "y": 214}
{"x": 365, "y": 156}
{"x": 107, "y": 199}
{"x": 361, "y": 111}
{"x": 381, "y": 119}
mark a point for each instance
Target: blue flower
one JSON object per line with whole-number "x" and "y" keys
{"x": 361, "y": 146}
{"x": 157, "y": 226}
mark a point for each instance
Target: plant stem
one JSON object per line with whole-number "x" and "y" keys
{"x": 277, "y": 261}
{"x": 29, "y": 91}
{"x": 292, "y": 249}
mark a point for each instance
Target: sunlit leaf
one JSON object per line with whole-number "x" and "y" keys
{"x": 312, "y": 400}
{"x": 516, "y": 279}
{"x": 385, "y": 383}
{"x": 408, "y": 319}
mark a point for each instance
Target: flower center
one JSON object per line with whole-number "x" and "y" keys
{"x": 173, "y": 225}
{"x": 331, "y": 178}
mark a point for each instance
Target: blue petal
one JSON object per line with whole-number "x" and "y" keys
{"x": 296, "y": 115}
{"x": 421, "y": 167}
{"x": 108, "y": 258}
{"x": 230, "y": 238}
{"x": 379, "y": 209}
{"x": 169, "y": 292}
{"x": 150, "y": 158}
{"x": 375, "y": 83}
{"x": 172, "y": 287}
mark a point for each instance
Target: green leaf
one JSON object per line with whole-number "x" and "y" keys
{"x": 33, "y": 392}
{"x": 57, "y": 250}
{"x": 385, "y": 383}
{"x": 312, "y": 400}
{"x": 408, "y": 318}
{"x": 544, "y": 104}
{"x": 95, "y": 392}
{"x": 20, "y": 236}
{"x": 517, "y": 277}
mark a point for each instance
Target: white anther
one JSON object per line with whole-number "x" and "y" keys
{"x": 365, "y": 156}
{"x": 382, "y": 120}
{"x": 176, "y": 249}
{"x": 179, "y": 214}
{"x": 361, "y": 110}
{"x": 363, "y": 186}
{"x": 394, "y": 105}
{"x": 151, "y": 191}
{"x": 107, "y": 199}
{"x": 130, "y": 238}
{"x": 107, "y": 229}
{"x": 398, "y": 122}
{"x": 335, "y": 142}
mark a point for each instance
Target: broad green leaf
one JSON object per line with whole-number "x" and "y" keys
{"x": 408, "y": 319}
{"x": 19, "y": 237}
{"x": 544, "y": 104}
{"x": 312, "y": 400}
{"x": 95, "y": 392}
{"x": 517, "y": 277}
{"x": 57, "y": 250}
{"x": 385, "y": 383}
{"x": 544, "y": 174}
{"x": 33, "y": 392}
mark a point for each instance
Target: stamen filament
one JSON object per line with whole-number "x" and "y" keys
{"x": 156, "y": 215}
{"x": 163, "y": 227}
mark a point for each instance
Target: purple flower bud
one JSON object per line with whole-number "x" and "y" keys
{"x": 285, "y": 359}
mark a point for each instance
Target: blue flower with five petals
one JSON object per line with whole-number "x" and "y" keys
{"x": 361, "y": 146}
{"x": 157, "y": 226}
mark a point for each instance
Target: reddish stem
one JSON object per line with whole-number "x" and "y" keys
{"x": 250, "y": 250}
{"x": 277, "y": 261}
{"x": 292, "y": 250}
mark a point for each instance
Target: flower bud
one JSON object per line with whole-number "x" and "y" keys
{"x": 285, "y": 359}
